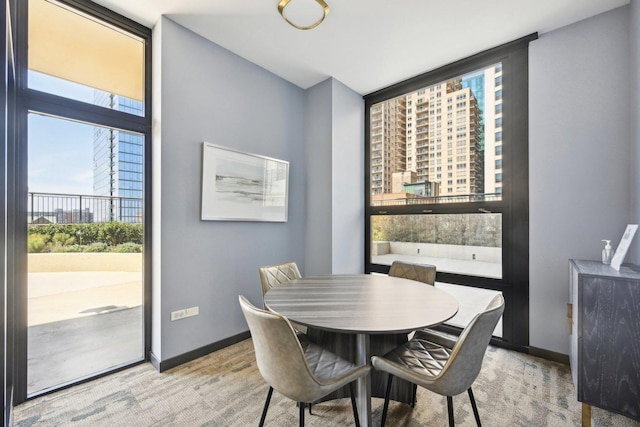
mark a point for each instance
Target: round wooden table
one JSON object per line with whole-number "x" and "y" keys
{"x": 362, "y": 305}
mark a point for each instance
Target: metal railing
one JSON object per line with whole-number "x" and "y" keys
{"x": 425, "y": 200}
{"x": 47, "y": 208}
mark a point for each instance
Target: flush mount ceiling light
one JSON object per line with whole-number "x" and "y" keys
{"x": 325, "y": 12}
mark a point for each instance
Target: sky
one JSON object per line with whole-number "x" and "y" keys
{"x": 60, "y": 151}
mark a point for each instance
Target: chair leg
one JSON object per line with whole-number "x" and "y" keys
{"x": 475, "y": 407}
{"x": 353, "y": 405}
{"x": 302, "y": 405}
{"x": 266, "y": 406}
{"x": 450, "y": 409}
{"x": 415, "y": 395}
{"x": 310, "y": 409}
{"x": 386, "y": 401}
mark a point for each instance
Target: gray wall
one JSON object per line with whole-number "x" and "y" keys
{"x": 335, "y": 179}
{"x": 318, "y": 141}
{"x": 635, "y": 122}
{"x": 210, "y": 94}
{"x": 348, "y": 181}
{"x": 579, "y": 159}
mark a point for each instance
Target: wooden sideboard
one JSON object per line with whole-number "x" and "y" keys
{"x": 604, "y": 320}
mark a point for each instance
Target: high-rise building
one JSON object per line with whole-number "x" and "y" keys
{"x": 388, "y": 143}
{"x": 450, "y": 134}
{"x": 118, "y": 163}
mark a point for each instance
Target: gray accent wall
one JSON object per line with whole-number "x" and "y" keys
{"x": 335, "y": 179}
{"x": 579, "y": 159}
{"x": 210, "y": 94}
{"x": 318, "y": 141}
{"x": 347, "y": 181}
{"x": 634, "y": 58}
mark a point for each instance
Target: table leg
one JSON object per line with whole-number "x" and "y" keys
{"x": 363, "y": 385}
{"x": 586, "y": 415}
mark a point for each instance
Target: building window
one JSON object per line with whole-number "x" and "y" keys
{"x": 448, "y": 214}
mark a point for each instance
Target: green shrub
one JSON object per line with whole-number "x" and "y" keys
{"x": 96, "y": 247}
{"x": 37, "y": 243}
{"x": 69, "y": 248}
{"x": 63, "y": 239}
{"x": 111, "y": 233}
{"x": 128, "y": 248}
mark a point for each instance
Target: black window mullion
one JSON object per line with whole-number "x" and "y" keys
{"x": 58, "y": 106}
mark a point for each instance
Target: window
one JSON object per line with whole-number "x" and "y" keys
{"x": 84, "y": 146}
{"x": 474, "y": 213}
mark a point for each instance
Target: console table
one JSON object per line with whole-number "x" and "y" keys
{"x": 604, "y": 322}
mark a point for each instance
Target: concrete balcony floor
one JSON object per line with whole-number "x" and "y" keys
{"x": 82, "y": 323}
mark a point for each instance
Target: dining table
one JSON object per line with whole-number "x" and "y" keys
{"x": 365, "y": 308}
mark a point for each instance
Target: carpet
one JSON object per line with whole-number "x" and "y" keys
{"x": 225, "y": 388}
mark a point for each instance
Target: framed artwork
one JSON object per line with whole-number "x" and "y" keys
{"x": 623, "y": 246}
{"x": 239, "y": 186}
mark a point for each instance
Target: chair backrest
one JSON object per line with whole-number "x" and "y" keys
{"x": 272, "y": 275}
{"x": 279, "y": 355}
{"x": 421, "y": 272}
{"x": 465, "y": 362}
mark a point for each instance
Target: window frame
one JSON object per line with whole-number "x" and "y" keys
{"x": 32, "y": 100}
{"x": 514, "y": 204}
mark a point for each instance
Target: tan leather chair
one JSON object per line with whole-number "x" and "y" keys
{"x": 440, "y": 364}
{"x": 300, "y": 370}
{"x": 272, "y": 275}
{"x": 420, "y": 272}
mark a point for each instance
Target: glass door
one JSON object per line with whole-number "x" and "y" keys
{"x": 84, "y": 161}
{"x": 85, "y": 267}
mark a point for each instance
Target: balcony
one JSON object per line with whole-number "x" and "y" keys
{"x": 84, "y": 286}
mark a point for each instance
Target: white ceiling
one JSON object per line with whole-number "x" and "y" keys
{"x": 365, "y": 44}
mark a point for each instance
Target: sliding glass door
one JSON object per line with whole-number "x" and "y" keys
{"x": 85, "y": 190}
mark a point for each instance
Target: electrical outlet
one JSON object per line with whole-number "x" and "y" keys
{"x": 192, "y": 311}
{"x": 178, "y": 314}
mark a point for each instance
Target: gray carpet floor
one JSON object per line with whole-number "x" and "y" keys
{"x": 225, "y": 389}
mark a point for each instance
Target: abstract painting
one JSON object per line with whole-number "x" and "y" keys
{"x": 239, "y": 186}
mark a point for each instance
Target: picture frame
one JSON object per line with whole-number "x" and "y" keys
{"x": 241, "y": 186}
{"x": 623, "y": 246}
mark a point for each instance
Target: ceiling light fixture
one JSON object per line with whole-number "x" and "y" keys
{"x": 325, "y": 12}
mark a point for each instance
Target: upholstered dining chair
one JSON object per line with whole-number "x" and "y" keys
{"x": 420, "y": 272}
{"x": 300, "y": 370}
{"x": 425, "y": 273}
{"x": 271, "y": 275}
{"x": 440, "y": 364}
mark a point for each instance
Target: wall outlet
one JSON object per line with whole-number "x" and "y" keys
{"x": 178, "y": 314}
{"x": 192, "y": 311}
{"x": 186, "y": 312}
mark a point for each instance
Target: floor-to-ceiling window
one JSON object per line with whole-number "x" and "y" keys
{"x": 447, "y": 182}
{"x": 84, "y": 192}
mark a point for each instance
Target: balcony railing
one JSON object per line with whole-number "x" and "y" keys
{"x": 464, "y": 198}
{"x": 47, "y": 208}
